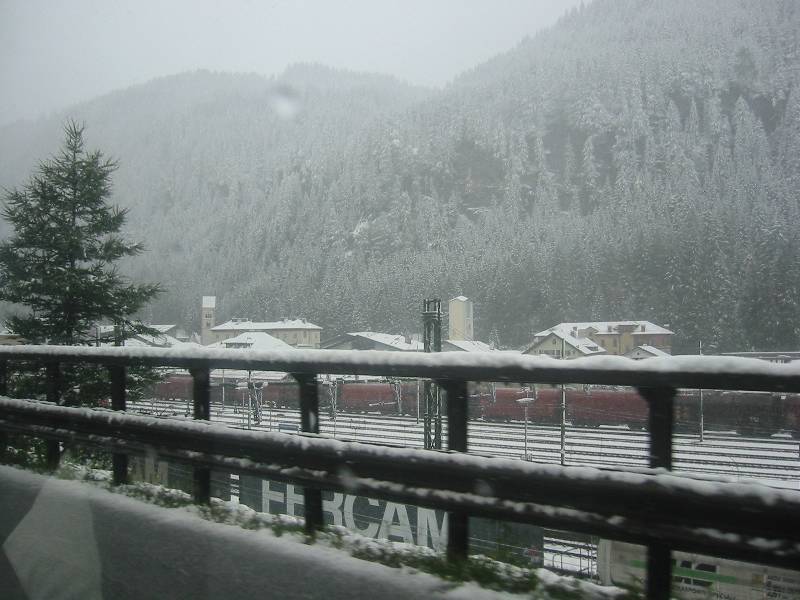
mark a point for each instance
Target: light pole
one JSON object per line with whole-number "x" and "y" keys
{"x": 525, "y": 403}
{"x": 250, "y": 391}
{"x": 269, "y": 407}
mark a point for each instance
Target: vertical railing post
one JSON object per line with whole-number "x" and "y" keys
{"x": 118, "y": 402}
{"x": 309, "y": 403}
{"x": 53, "y": 382}
{"x": 201, "y": 395}
{"x": 3, "y": 377}
{"x": 3, "y": 392}
{"x": 309, "y": 422}
{"x": 457, "y": 417}
{"x": 53, "y": 447}
{"x": 661, "y": 401}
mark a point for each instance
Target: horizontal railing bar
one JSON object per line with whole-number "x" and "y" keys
{"x": 784, "y": 552}
{"x": 648, "y": 493}
{"x": 709, "y": 372}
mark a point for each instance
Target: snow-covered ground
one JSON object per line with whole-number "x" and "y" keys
{"x": 67, "y": 539}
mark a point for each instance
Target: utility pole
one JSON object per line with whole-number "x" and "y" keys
{"x": 563, "y": 409}
{"x": 702, "y": 425}
{"x": 249, "y": 397}
{"x": 432, "y": 342}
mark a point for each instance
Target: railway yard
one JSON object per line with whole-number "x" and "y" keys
{"x": 774, "y": 460}
{"x": 771, "y": 460}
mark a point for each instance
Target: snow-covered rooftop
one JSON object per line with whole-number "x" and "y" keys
{"x": 469, "y": 345}
{"x": 398, "y": 342}
{"x": 255, "y": 340}
{"x": 640, "y": 327}
{"x": 209, "y": 301}
{"x": 104, "y": 329}
{"x": 161, "y": 340}
{"x": 653, "y": 350}
{"x": 247, "y": 325}
{"x": 9, "y": 337}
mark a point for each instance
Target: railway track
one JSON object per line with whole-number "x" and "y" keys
{"x": 775, "y": 460}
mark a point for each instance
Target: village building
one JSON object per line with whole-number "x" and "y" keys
{"x": 253, "y": 340}
{"x": 249, "y": 340}
{"x": 645, "y": 351}
{"x": 372, "y": 340}
{"x": 452, "y": 345}
{"x": 174, "y": 331}
{"x": 162, "y": 338}
{"x": 208, "y": 311}
{"x": 612, "y": 337}
{"x": 10, "y": 339}
{"x": 295, "y": 332}
{"x": 560, "y": 344}
{"x": 773, "y": 357}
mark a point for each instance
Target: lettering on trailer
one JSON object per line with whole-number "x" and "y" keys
{"x": 700, "y": 577}
{"x": 510, "y": 542}
{"x": 693, "y": 573}
{"x": 373, "y": 518}
{"x": 366, "y": 516}
{"x": 149, "y": 470}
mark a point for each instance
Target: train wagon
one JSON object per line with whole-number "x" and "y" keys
{"x": 508, "y": 404}
{"x": 602, "y": 406}
{"x": 748, "y": 413}
{"x": 381, "y": 397}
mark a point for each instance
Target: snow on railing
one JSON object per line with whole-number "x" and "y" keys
{"x": 714, "y": 372}
{"x": 747, "y": 521}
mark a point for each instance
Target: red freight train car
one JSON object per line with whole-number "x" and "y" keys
{"x": 595, "y": 407}
{"x": 508, "y": 404}
{"x": 749, "y": 413}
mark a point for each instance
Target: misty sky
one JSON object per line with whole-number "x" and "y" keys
{"x": 54, "y": 53}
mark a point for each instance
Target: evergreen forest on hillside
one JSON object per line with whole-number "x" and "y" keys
{"x": 639, "y": 160}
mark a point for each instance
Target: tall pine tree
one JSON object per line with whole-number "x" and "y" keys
{"x": 61, "y": 262}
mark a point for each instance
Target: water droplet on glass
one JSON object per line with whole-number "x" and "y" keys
{"x": 284, "y": 101}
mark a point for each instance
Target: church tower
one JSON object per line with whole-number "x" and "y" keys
{"x": 207, "y": 319}
{"x": 460, "y": 319}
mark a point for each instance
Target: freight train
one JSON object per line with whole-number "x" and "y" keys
{"x": 748, "y": 413}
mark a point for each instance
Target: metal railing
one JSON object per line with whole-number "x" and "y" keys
{"x": 653, "y": 507}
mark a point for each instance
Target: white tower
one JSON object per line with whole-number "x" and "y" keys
{"x": 460, "y": 319}
{"x": 207, "y": 319}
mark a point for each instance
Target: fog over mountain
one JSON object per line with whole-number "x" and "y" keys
{"x": 53, "y": 54}
{"x": 638, "y": 160}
